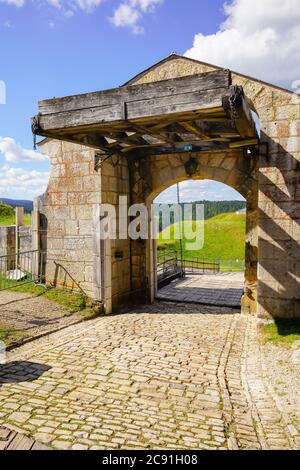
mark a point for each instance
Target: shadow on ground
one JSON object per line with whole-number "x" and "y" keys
{"x": 21, "y": 371}
{"x": 287, "y": 327}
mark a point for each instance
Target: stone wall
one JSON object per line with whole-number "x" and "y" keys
{"x": 25, "y": 238}
{"x": 7, "y": 247}
{"x": 279, "y": 188}
{"x": 68, "y": 210}
{"x": 8, "y": 244}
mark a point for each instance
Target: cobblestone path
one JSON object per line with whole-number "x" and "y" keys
{"x": 162, "y": 377}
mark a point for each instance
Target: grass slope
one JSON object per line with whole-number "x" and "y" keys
{"x": 11, "y": 220}
{"x": 8, "y": 216}
{"x": 71, "y": 301}
{"x": 282, "y": 332}
{"x": 224, "y": 237}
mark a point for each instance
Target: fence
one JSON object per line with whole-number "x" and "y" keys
{"x": 20, "y": 268}
{"x": 200, "y": 266}
{"x": 170, "y": 265}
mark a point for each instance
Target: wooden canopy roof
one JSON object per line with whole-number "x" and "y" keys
{"x": 197, "y": 112}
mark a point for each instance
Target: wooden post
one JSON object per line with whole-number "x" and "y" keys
{"x": 35, "y": 244}
{"x": 107, "y": 276}
{"x": 19, "y": 223}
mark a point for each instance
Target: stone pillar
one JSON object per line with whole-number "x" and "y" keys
{"x": 249, "y": 299}
{"x": 108, "y": 300}
{"x": 151, "y": 246}
{"x": 36, "y": 244}
{"x": 279, "y": 218}
{"x": 19, "y": 223}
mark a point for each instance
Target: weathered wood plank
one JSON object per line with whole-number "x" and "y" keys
{"x": 192, "y": 83}
{"x": 197, "y": 146}
{"x": 194, "y": 128}
{"x": 20, "y": 442}
{"x": 11, "y": 440}
{"x": 141, "y": 109}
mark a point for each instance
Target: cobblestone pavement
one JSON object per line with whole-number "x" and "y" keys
{"x": 210, "y": 289}
{"x": 166, "y": 376}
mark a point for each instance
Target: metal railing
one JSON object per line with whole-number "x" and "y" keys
{"x": 200, "y": 266}
{"x": 170, "y": 265}
{"x": 20, "y": 268}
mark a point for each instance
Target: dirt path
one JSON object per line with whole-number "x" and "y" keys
{"x": 32, "y": 315}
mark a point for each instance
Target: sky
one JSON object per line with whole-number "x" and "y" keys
{"x": 61, "y": 47}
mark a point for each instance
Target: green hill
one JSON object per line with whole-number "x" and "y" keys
{"x": 8, "y": 217}
{"x": 224, "y": 237}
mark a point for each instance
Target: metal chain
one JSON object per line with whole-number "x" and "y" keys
{"x": 234, "y": 102}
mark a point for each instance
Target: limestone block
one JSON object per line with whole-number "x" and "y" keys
{"x": 57, "y": 227}
{"x": 288, "y": 112}
{"x": 280, "y": 193}
{"x": 94, "y": 197}
{"x": 83, "y": 212}
{"x": 57, "y": 171}
{"x": 60, "y": 213}
{"x": 276, "y": 230}
{"x": 85, "y": 227}
{"x": 57, "y": 185}
{"x": 55, "y": 243}
{"x": 76, "y": 198}
{"x": 77, "y": 169}
{"x": 75, "y": 184}
{"x": 58, "y": 199}
{"x": 90, "y": 183}
{"x": 71, "y": 227}
{"x": 228, "y": 163}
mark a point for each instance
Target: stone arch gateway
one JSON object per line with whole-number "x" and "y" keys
{"x": 133, "y": 141}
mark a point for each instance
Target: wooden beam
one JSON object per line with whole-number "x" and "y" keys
{"x": 115, "y": 96}
{"x": 243, "y": 143}
{"x": 179, "y": 148}
{"x": 142, "y": 109}
{"x": 193, "y": 128}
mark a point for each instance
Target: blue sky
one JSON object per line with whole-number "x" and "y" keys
{"x": 61, "y": 47}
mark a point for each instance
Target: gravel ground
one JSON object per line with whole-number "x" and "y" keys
{"x": 33, "y": 315}
{"x": 282, "y": 369}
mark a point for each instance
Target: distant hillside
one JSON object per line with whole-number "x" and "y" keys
{"x": 28, "y": 205}
{"x": 8, "y": 216}
{"x": 211, "y": 209}
{"x": 6, "y": 210}
{"x": 224, "y": 237}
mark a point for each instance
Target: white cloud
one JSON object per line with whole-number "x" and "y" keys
{"x": 13, "y": 152}
{"x": 18, "y": 182}
{"x": 129, "y": 12}
{"x": 197, "y": 190}
{"x": 126, "y": 15}
{"x": 87, "y": 5}
{"x": 259, "y": 38}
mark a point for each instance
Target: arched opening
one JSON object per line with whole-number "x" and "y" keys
{"x": 236, "y": 176}
{"x": 200, "y": 248}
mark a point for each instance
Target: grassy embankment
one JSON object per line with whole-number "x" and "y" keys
{"x": 224, "y": 239}
{"x": 8, "y": 216}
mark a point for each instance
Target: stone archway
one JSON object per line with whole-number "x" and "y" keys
{"x": 131, "y": 141}
{"x": 232, "y": 169}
